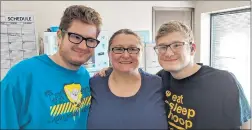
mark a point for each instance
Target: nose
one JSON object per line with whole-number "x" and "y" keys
{"x": 83, "y": 45}
{"x": 125, "y": 54}
{"x": 169, "y": 52}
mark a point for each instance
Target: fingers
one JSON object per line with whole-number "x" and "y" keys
{"x": 102, "y": 73}
{"x": 96, "y": 74}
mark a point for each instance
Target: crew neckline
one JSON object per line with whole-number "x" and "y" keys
{"x": 59, "y": 67}
{"x": 191, "y": 77}
{"x": 130, "y": 97}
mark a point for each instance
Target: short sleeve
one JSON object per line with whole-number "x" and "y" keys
{"x": 245, "y": 110}
{"x": 13, "y": 114}
{"x": 231, "y": 106}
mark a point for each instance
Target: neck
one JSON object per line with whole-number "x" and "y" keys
{"x": 189, "y": 70}
{"x": 125, "y": 78}
{"x": 58, "y": 59}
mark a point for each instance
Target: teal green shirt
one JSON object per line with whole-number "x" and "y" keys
{"x": 38, "y": 93}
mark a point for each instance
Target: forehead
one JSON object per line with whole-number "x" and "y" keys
{"x": 170, "y": 38}
{"x": 125, "y": 40}
{"x": 84, "y": 29}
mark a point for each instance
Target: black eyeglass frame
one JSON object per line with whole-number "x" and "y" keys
{"x": 125, "y": 49}
{"x": 83, "y": 38}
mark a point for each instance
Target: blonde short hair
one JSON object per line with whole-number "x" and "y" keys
{"x": 175, "y": 26}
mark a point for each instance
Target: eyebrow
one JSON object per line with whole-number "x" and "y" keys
{"x": 80, "y": 35}
{"x": 116, "y": 46}
{"x": 123, "y": 46}
{"x": 165, "y": 43}
{"x": 133, "y": 46}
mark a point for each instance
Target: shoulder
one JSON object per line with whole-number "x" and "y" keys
{"x": 83, "y": 72}
{"x": 152, "y": 82}
{"x": 29, "y": 61}
{"x": 165, "y": 75}
{"x": 20, "y": 72}
{"x": 151, "y": 79}
{"x": 219, "y": 74}
{"x": 160, "y": 73}
{"x": 23, "y": 67}
{"x": 150, "y": 76}
{"x": 98, "y": 81}
{"x": 96, "y": 78}
{"x": 223, "y": 80}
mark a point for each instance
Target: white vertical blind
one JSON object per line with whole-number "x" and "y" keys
{"x": 230, "y": 44}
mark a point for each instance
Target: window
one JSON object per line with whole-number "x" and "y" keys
{"x": 230, "y": 44}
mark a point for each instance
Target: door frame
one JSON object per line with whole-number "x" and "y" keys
{"x": 156, "y": 8}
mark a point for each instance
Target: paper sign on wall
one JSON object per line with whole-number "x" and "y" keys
{"x": 18, "y": 38}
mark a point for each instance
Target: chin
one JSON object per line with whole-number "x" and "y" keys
{"x": 80, "y": 60}
{"x": 76, "y": 63}
{"x": 171, "y": 68}
{"x": 126, "y": 70}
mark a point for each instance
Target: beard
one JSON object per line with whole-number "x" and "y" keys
{"x": 66, "y": 56}
{"x": 76, "y": 63}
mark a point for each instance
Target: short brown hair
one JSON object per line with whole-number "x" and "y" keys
{"x": 175, "y": 26}
{"x": 83, "y": 13}
{"x": 123, "y": 31}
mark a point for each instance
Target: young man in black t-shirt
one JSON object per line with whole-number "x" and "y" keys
{"x": 197, "y": 96}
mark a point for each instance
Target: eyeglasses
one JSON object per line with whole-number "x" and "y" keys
{"x": 77, "y": 39}
{"x": 130, "y": 50}
{"x": 175, "y": 47}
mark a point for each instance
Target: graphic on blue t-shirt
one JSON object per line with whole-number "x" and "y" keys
{"x": 70, "y": 102}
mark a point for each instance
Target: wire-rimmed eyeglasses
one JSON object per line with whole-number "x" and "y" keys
{"x": 175, "y": 47}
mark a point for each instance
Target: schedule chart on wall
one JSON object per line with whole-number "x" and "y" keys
{"x": 18, "y": 39}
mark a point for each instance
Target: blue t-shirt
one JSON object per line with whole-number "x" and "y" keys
{"x": 144, "y": 110}
{"x": 38, "y": 93}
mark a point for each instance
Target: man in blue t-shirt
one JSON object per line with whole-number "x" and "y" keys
{"x": 53, "y": 91}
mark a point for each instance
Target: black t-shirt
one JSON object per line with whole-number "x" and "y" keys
{"x": 208, "y": 99}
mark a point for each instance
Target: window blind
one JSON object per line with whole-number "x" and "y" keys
{"x": 230, "y": 44}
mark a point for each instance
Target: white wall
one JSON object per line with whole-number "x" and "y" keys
{"x": 136, "y": 15}
{"x": 202, "y": 24}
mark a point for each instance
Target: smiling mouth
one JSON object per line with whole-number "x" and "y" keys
{"x": 170, "y": 60}
{"x": 81, "y": 52}
{"x": 125, "y": 62}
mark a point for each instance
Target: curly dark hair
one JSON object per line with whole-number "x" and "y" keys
{"x": 83, "y": 13}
